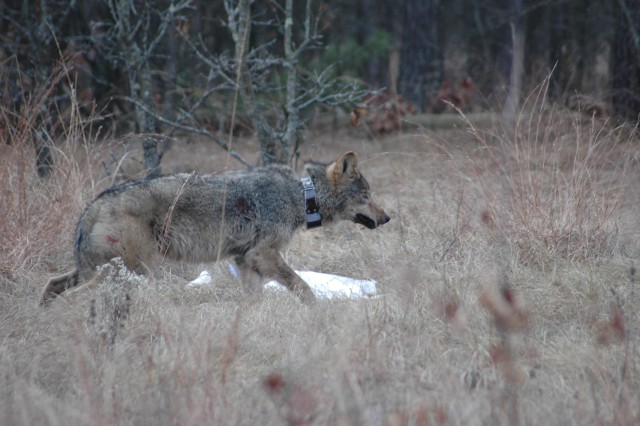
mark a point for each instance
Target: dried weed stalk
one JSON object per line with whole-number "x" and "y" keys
{"x": 110, "y": 307}
{"x": 45, "y": 169}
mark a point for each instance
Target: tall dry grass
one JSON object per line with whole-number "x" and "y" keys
{"x": 507, "y": 279}
{"x": 38, "y": 213}
{"x": 554, "y": 181}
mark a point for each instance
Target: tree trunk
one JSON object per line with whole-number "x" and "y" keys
{"x": 512, "y": 103}
{"x": 146, "y": 123}
{"x": 625, "y": 68}
{"x": 421, "y": 64}
{"x": 241, "y": 31}
{"x": 293, "y": 113}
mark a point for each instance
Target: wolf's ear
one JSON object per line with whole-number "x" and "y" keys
{"x": 344, "y": 167}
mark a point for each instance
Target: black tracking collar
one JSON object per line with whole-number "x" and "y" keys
{"x": 312, "y": 218}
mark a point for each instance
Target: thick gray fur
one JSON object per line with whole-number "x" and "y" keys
{"x": 249, "y": 216}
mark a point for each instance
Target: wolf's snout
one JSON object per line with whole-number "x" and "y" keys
{"x": 371, "y": 222}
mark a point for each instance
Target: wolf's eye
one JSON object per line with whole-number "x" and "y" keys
{"x": 365, "y": 196}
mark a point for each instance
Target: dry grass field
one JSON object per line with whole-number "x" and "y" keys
{"x": 507, "y": 277}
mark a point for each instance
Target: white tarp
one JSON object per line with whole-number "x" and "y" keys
{"x": 326, "y": 286}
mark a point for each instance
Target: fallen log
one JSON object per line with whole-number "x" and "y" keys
{"x": 448, "y": 120}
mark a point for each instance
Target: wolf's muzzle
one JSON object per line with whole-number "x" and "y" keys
{"x": 370, "y": 223}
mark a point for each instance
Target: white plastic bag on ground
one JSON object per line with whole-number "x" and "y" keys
{"x": 203, "y": 279}
{"x": 324, "y": 286}
{"x": 328, "y": 286}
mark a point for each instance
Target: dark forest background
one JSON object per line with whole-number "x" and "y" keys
{"x": 176, "y": 63}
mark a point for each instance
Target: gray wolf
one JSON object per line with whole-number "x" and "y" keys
{"x": 248, "y": 216}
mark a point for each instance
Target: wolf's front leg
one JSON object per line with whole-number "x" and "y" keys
{"x": 268, "y": 263}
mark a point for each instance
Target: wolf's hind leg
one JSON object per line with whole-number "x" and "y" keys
{"x": 79, "y": 291}
{"x": 57, "y": 285}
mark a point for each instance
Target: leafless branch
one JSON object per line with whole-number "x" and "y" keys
{"x": 190, "y": 129}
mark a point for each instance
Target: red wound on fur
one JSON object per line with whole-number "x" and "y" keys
{"x": 112, "y": 240}
{"x": 508, "y": 295}
{"x": 274, "y": 383}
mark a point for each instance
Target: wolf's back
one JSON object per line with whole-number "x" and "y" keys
{"x": 189, "y": 217}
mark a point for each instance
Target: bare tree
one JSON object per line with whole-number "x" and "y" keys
{"x": 137, "y": 31}
{"x": 251, "y": 76}
{"x": 252, "y": 70}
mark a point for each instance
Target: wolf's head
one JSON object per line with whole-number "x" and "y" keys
{"x": 343, "y": 193}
